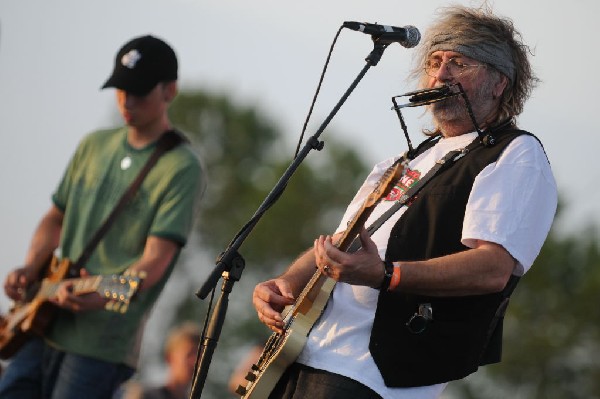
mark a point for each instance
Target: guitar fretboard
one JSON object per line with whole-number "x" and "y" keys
{"x": 81, "y": 286}
{"x": 383, "y": 187}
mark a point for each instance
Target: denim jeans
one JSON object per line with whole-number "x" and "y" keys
{"x": 39, "y": 371}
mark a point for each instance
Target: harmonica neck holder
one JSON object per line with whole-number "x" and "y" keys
{"x": 419, "y": 98}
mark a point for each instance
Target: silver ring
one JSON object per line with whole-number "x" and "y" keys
{"x": 326, "y": 269}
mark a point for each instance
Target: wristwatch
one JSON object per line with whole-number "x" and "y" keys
{"x": 388, "y": 271}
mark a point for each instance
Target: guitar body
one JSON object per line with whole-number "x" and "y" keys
{"x": 281, "y": 350}
{"x": 41, "y": 309}
{"x": 11, "y": 340}
{"x": 31, "y": 316}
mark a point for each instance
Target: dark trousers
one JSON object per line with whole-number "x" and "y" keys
{"x": 303, "y": 382}
{"x": 39, "y": 371}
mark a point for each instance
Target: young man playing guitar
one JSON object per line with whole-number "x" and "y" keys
{"x": 87, "y": 351}
{"x": 421, "y": 302}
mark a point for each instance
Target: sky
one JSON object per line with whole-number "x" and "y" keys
{"x": 55, "y": 55}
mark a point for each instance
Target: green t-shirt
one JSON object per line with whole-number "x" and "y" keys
{"x": 99, "y": 173}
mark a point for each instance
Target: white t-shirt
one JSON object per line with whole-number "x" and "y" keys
{"x": 512, "y": 203}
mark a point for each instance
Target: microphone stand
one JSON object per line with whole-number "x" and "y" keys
{"x": 230, "y": 264}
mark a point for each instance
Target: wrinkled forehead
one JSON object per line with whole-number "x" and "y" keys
{"x": 442, "y": 55}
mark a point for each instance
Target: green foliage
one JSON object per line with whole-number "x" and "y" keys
{"x": 242, "y": 152}
{"x": 552, "y": 328}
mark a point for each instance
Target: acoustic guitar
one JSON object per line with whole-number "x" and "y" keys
{"x": 282, "y": 349}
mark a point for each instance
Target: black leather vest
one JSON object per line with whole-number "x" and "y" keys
{"x": 463, "y": 333}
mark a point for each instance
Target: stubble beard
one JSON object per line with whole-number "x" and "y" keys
{"x": 450, "y": 110}
{"x": 453, "y": 110}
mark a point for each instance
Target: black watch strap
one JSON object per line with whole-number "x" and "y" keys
{"x": 388, "y": 271}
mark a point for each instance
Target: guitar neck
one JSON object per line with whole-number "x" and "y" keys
{"x": 382, "y": 189}
{"x": 84, "y": 285}
{"x": 354, "y": 227}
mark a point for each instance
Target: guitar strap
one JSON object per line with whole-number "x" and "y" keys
{"x": 445, "y": 162}
{"x": 169, "y": 140}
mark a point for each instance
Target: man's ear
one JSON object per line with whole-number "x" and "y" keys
{"x": 169, "y": 91}
{"x": 500, "y": 86}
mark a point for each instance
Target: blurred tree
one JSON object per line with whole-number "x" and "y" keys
{"x": 244, "y": 156}
{"x": 552, "y": 329}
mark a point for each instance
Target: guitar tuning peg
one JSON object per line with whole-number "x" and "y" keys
{"x": 241, "y": 390}
{"x": 141, "y": 274}
{"x": 123, "y": 308}
{"x": 251, "y": 376}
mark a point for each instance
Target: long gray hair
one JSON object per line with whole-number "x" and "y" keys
{"x": 479, "y": 34}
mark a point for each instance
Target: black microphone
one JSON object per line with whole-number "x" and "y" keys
{"x": 408, "y": 36}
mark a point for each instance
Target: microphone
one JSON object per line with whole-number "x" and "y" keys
{"x": 408, "y": 36}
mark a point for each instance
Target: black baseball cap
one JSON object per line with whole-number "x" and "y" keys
{"x": 141, "y": 64}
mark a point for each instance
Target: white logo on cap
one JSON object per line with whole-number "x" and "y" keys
{"x": 131, "y": 58}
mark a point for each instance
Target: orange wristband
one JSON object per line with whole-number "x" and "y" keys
{"x": 395, "y": 277}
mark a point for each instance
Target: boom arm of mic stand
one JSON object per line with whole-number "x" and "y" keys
{"x": 223, "y": 262}
{"x": 230, "y": 264}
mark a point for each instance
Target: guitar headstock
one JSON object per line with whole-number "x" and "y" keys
{"x": 385, "y": 183}
{"x": 120, "y": 289}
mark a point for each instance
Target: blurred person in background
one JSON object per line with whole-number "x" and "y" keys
{"x": 180, "y": 353}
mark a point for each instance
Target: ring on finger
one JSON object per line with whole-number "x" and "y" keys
{"x": 326, "y": 269}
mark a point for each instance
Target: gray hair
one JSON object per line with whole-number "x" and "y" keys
{"x": 479, "y": 34}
